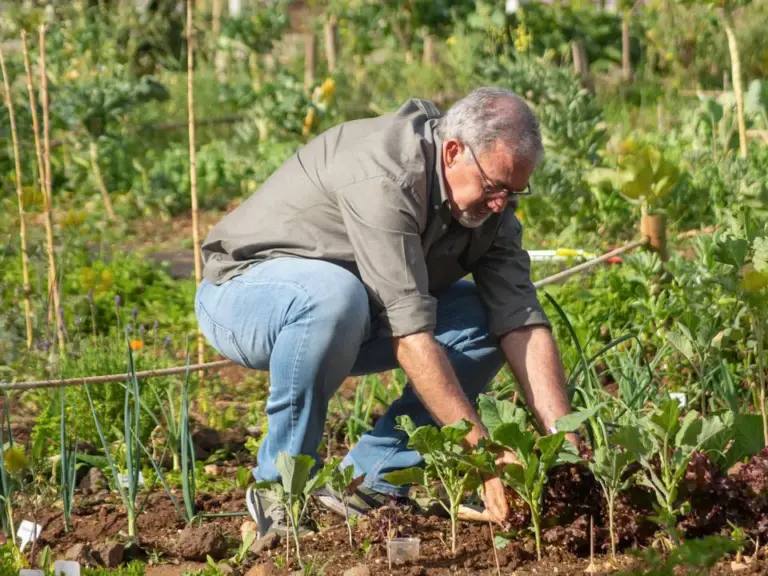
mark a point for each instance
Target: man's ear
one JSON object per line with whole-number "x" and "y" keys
{"x": 452, "y": 149}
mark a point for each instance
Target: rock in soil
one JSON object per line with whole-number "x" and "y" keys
{"x": 80, "y": 553}
{"x": 359, "y": 570}
{"x": 212, "y": 470}
{"x": 94, "y": 482}
{"x": 261, "y": 570}
{"x": 109, "y": 554}
{"x": 268, "y": 542}
{"x": 199, "y": 542}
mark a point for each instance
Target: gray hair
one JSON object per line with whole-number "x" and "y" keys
{"x": 488, "y": 115}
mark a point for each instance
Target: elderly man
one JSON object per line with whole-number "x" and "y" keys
{"x": 350, "y": 259}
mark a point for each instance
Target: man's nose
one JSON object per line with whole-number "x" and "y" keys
{"x": 498, "y": 204}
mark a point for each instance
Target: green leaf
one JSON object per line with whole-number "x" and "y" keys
{"x": 426, "y": 440}
{"x": 633, "y": 440}
{"x": 731, "y": 251}
{"x": 514, "y": 475}
{"x": 414, "y": 475}
{"x": 572, "y": 421}
{"x": 511, "y": 436}
{"x": 690, "y": 430}
{"x": 550, "y": 446}
{"x": 760, "y": 257}
{"x": 667, "y": 417}
{"x": 294, "y": 471}
{"x": 495, "y": 412}
{"x": 455, "y": 433}
{"x": 747, "y": 438}
{"x": 499, "y": 542}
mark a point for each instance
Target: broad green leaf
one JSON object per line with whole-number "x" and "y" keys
{"x": 294, "y": 471}
{"x": 494, "y": 412}
{"x": 321, "y": 478}
{"x": 511, "y": 436}
{"x": 514, "y": 475}
{"x": 532, "y": 470}
{"x": 667, "y": 417}
{"x": 731, "y": 251}
{"x": 760, "y": 257}
{"x": 682, "y": 343}
{"x": 634, "y": 440}
{"x": 572, "y": 421}
{"x": 499, "y": 542}
{"x": 747, "y": 438}
{"x": 426, "y": 440}
{"x": 456, "y": 432}
{"x": 713, "y": 436}
{"x": 414, "y": 475}
{"x": 550, "y": 446}
{"x": 690, "y": 429}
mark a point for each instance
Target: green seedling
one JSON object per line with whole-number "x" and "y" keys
{"x": 662, "y": 433}
{"x": 609, "y": 466}
{"x": 536, "y": 457}
{"x": 6, "y": 489}
{"x": 344, "y": 483}
{"x": 68, "y": 460}
{"x": 447, "y": 459}
{"x": 295, "y": 488}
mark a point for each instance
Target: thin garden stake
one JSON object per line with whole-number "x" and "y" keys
{"x": 47, "y": 186}
{"x": 20, "y": 195}
{"x": 193, "y": 169}
{"x": 41, "y": 172}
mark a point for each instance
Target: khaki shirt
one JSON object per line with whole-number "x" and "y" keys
{"x": 369, "y": 195}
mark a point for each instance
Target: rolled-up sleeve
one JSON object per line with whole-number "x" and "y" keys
{"x": 382, "y": 222}
{"x": 503, "y": 278}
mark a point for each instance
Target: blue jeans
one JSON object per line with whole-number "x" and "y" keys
{"x": 308, "y": 323}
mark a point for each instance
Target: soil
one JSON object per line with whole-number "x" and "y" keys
{"x": 572, "y": 498}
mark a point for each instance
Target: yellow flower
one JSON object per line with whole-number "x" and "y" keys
{"x": 328, "y": 89}
{"x": 15, "y": 460}
{"x": 137, "y": 345}
{"x": 309, "y": 121}
{"x": 754, "y": 281}
{"x": 451, "y": 40}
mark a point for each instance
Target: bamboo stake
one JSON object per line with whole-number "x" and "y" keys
{"x": 41, "y": 172}
{"x": 193, "y": 170}
{"x": 48, "y": 193}
{"x": 20, "y": 195}
{"x": 733, "y": 48}
{"x": 97, "y": 176}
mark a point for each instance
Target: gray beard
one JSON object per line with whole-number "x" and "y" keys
{"x": 470, "y": 220}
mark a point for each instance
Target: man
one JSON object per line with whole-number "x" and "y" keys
{"x": 350, "y": 260}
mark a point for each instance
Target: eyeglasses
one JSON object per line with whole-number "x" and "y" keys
{"x": 489, "y": 187}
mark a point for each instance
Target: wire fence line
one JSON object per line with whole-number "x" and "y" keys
{"x": 111, "y": 378}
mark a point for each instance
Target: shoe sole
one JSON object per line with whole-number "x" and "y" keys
{"x": 334, "y": 505}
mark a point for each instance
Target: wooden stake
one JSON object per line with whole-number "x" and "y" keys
{"x": 193, "y": 169}
{"x": 331, "y": 50}
{"x": 626, "y": 64}
{"x": 20, "y": 195}
{"x": 733, "y": 48}
{"x": 310, "y": 58}
{"x": 48, "y": 194}
{"x": 41, "y": 171}
{"x": 97, "y": 176}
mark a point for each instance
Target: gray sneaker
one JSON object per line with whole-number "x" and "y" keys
{"x": 269, "y": 514}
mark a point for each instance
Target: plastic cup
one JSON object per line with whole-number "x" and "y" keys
{"x": 403, "y": 550}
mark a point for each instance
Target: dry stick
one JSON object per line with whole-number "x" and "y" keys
{"x": 493, "y": 545}
{"x": 20, "y": 195}
{"x": 48, "y": 193}
{"x": 99, "y": 178}
{"x": 41, "y": 172}
{"x": 193, "y": 170}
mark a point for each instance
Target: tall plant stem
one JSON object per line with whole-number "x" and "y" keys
{"x": 761, "y": 373}
{"x": 611, "y": 503}
{"x": 99, "y": 178}
{"x": 493, "y": 545}
{"x": 48, "y": 203}
{"x": 193, "y": 169}
{"x": 20, "y": 196}
{"x": 537, "y": 532}
{"x": 733, "y": 48}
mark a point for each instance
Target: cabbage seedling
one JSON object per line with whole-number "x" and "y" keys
{"x": 447, "y": 460}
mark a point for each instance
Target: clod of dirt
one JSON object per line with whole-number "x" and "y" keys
{"x": 359, "y": 570}
{"x": 212, "y": 470}
{"x": 109, "y": 554}
{"x": 268, "y": 542}
{"x": 199, "y": 542}
{"x": 93, "y": 482}
{"x": 80, "y": 553}
{"x": 261, "y": 570}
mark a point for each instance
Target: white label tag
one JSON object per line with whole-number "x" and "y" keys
{"x": 28, "y": 532}
{"x": 28, "y": 572}
{"x": 680, "y": 397}
{"x": 125, "y": 479}
{"x": 66, "y": 568}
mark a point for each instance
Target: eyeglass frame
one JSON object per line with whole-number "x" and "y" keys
{"x": 490, "y": 187}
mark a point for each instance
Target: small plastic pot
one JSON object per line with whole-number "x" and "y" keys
{"x": 403, "y": 550}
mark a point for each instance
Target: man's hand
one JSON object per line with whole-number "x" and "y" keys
{"x": 494, "y": 495}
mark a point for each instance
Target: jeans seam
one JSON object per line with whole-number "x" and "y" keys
{"x": 383, "y": 460}
{"x": 203, "y": 312}
{"x": 299, "y": 349}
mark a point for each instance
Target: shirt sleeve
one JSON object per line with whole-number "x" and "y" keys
{"x": 382, "y": 223}
{"x": 503, "y": 278}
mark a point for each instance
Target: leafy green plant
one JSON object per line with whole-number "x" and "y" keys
{"x": 294, "y": 489}
{"x": 661, "y": 434}
{"x": 609, "y": 466}
{"x": 68, "y": 461}
{"x": 6, "y": 487}
{"x": 343, "y": 482}
{"x": 447, "y": 460}
{"x": 693, "y": 557}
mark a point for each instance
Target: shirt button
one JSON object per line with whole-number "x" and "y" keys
{"x": 436, "y": 206}
{"x": 445, "y": 226}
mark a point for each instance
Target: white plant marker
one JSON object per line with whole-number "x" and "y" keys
{"x": 680, "y": 397}
{"x": 28, "y": 532}
{"x": 124, "y": 479}
{"x": 28, "y": 572}
{"x": 66, "y": 568}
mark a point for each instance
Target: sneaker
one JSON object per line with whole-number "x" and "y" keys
{"x": 269, "y": 514}
{"x": 360, "y": 503}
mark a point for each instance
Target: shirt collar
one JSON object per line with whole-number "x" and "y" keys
{"x": 439, "y": 193}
